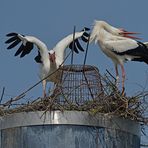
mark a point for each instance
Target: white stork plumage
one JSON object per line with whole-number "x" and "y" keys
{"x": 119, "y": 45}
{"x": 49, "y": 60}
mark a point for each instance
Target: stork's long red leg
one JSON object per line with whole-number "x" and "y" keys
{"x": 117, "y": 75}
{"x": 44, "y": 88}
{"x": 123, "y": 77}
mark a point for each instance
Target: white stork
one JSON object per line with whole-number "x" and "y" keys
{"x": 49, "y": 60}
{"x": 118, "y": 45}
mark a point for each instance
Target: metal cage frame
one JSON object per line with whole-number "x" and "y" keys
{"x": 78, "y": 84}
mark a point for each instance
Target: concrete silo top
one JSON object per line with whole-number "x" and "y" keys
{"x": 69, "y": 118}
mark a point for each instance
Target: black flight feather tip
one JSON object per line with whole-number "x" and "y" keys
{"x": 85, "y": 29}
{"x": 84, "y": 39}
{"x": 11, "y": 34}
{"x": 21, "y": 48}
{"x": 16, "y": 42}
{"x": 12, "y": 39}
{"x": 78, "y": 45}
{"x": 86, "y": 34}
{"x": 27, "y": 50}
{"x": 73, "y": 48}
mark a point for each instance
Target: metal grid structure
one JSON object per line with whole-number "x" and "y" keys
{"x": 78, "y": 84}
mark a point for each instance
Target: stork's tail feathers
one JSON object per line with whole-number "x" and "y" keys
{"x": 141, "y": 52}
{"x": 76, "y": 46}
{"x": 142, "y": 59}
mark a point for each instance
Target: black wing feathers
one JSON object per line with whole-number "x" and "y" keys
{"x": 86, "y": 34}
{"x": 141, "y": 50}
{"x": 38, "y": 58}
{"x": 21, "y": 48}
{"x": 26, "y": 49}
{"x": 77, "y": 45}
{"x": 14, "y": 40}
{"x": 11, "y": 34}
{"x": 72, "y": 46}
{"x": 85, "y": 29}
{"x": 84, "y": 39}
{"x": 139, "y": 54}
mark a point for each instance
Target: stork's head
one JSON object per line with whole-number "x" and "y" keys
{"x": 52, "y": 56}
{"x": 98, "y": 26}
{"x": 102, "y": 25}
{"x": 116, "y": 31}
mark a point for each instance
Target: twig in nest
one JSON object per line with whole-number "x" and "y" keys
{"x": 8, "y": 103}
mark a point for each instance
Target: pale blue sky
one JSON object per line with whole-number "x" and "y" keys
{"x": 51, "y": 20}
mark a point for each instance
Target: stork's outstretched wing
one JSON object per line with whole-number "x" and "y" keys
{"x": 38, "y": 58}
{"x": 14, "y": 40}
{"x": 75, "y": 45}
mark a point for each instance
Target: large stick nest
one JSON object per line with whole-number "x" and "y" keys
{"x": 111, "y": 101}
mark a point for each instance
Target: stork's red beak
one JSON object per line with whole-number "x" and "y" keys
{"x": 128, "y": 34}
{"x": 52, "y": 57}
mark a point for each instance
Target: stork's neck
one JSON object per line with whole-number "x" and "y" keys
{"x": 60, "y": 57}
{"x": 101, "y": 32}
{"x": 104, "y": 25}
